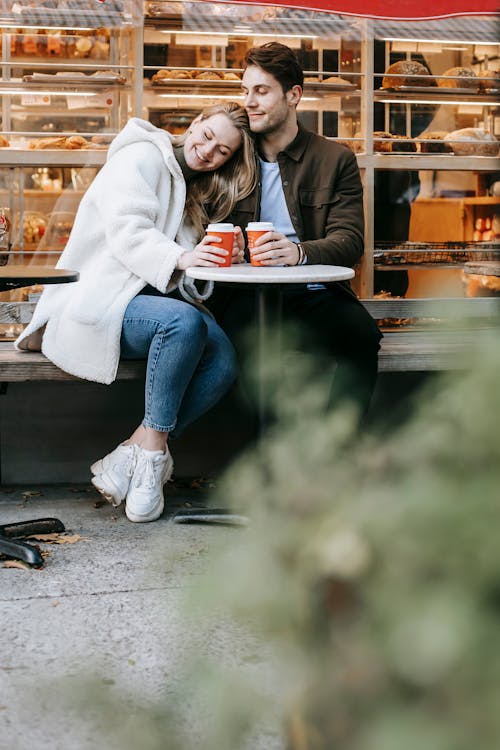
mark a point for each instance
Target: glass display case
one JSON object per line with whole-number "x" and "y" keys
{"x": 418, "y": 102}
{"x": 68, "y": 84}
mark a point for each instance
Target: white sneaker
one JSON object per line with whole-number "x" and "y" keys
{"x": 114, "y": 472}
{"x": 145, "y": 497}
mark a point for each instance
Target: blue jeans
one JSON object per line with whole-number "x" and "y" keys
{"x": 190, "y": 361}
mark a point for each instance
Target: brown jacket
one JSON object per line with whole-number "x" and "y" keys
{"x": 324, "y": 196}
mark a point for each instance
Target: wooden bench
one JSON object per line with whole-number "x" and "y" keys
{"x": 438, "y": 334}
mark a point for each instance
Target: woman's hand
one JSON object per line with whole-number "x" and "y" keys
{"x": 206, "y": 253}
{"x": 238, "y": 246}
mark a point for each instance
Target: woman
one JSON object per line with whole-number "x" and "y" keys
{"x": 134, "y": 234}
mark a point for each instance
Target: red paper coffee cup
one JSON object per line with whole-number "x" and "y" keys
{"x": 256, "y": 229}
{"x": 226, "y": 234}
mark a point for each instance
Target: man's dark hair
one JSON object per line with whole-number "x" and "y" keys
{"x": 278, "y": 60}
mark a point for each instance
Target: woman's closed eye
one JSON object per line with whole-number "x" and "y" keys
{"x": 223, "y": 150}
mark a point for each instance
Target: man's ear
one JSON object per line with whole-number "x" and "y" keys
{"x": 294, "y": 95}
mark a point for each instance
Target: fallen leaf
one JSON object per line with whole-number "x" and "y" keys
{"x": 71, "y": 539}
{"x": 54, "y": 538}
{"x": 31, "y": 493}
{"x": 16, "y": 564}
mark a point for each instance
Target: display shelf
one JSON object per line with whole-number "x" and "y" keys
{"x": 431, "y": 162}
{"x": 437, "y": 95}
{"x": 10, "y": 157}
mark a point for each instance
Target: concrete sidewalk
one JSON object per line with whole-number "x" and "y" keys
{"x": 106, "y": 606}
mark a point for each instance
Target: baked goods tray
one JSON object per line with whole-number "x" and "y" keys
{"x": 183, "y": 84}
{"x": 427, "y": 90}
{"x": 187, "y": 83}
{"x": 75, "y": 79}
{"x": 408, "y": 253}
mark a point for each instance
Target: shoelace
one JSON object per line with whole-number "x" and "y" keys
{"x": 130, "y": 462}
{"x": 145, "y": 471}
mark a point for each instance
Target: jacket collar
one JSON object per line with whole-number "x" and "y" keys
{"x": 296, "y": 148}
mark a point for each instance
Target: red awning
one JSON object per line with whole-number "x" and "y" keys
{"x": 395, "y": 9}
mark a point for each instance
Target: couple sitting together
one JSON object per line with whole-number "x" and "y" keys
{"x": 141, "y": 223}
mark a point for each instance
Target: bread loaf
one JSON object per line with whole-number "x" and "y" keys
{"x": 473, "y": 141}
{"x": 489, "y": 79}
{"x": 467, "y": 79}
{"x": 403, "y": 144}
{"x": 231, "y": 77}
{"x": 163, "y": 75}
{"x": 409, "y": 70}
{"x": 381, "y": 142}
{"x": 337, "y": 80}
{"x": 435, "y": 142}
{"x": 208, "y": 75}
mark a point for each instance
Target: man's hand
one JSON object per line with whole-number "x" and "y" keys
{"x": 274, "y": 249}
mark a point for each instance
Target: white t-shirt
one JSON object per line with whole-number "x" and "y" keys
{"x": 273, "y": 204}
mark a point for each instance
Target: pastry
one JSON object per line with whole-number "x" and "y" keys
{"x": 75, "y": 141}
{"x": 406, "y": 73}
{"x": 42, "y": 143}
{"x": 473, "y": 141}
{"x": 83, "y": 46}
{"x": 4, "y": 143}
{"x": 231, "y": 77}
{"x": 466, "y": 79}
{"x": 311, "y": 79}
{"x": 99, "y": 51}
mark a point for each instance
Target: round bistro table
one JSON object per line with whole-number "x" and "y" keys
{"x": 15, "y": 277}
{"x": 268, "y": 282}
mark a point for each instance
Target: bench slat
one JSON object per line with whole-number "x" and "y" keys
{"x": 18, "y": 367}
{"x": 451, "y": 308}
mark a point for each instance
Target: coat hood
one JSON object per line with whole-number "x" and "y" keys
{"x": 137, "y": 131}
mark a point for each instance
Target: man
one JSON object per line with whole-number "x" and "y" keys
{"x": 311, "y": 190}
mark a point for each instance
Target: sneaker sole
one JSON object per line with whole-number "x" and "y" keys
{"x": 108, "y": 490}
{"x": 153, "y": 515}
{"x": 97, "y": 467}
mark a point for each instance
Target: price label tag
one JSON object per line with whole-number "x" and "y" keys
{"x": 80, "y": 102}
{"x": 35, "y": 100}
{"x": 104, "y": 99}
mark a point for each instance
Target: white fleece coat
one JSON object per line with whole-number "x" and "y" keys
{"x": 128, "y": 232}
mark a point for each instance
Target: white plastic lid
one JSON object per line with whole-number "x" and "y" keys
{"x": 260, "y": 226}
{"x": 220, "y": 228}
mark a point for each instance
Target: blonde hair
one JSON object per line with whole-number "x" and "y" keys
{"x": 212, "y": 196}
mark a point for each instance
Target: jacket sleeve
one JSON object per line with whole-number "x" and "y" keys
{"x": 342, "y": 243}
{"x": 136, "y": 195}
